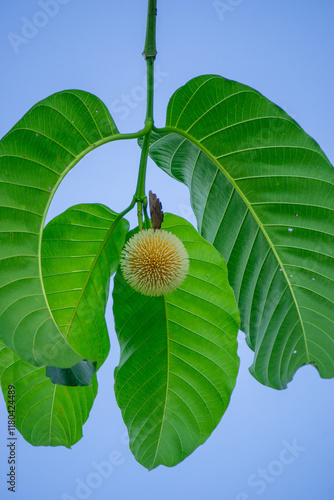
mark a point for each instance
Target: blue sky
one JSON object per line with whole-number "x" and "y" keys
{"x": 270, "y": 444}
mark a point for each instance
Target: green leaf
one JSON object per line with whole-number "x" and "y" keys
{"x": 80, "y": 251}
{"x": 35, "y": 155}
{"x": 78, "y": 376}
{"x": 45, "y": 414}
{"x": 178, "y": 362}
{"x": 262, "y": 192}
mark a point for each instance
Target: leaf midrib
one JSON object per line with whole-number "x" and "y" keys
{"x": 174, "y": 130}
{"x": 90, "y": 272}
{"x": 167, "y": 382}
{"x": 61, "y": 176}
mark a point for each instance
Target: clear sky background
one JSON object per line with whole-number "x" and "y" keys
{"x": 284, "y": 49}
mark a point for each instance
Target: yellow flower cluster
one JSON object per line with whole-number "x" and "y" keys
{"x": 154, "y": 262}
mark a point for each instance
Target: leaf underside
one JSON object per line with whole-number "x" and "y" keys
{"x": 79, "y": 375}
{"x": 80, "y": 251}
{"x": 45, "y": 414}
{"x": 178, "y": 362}
{"x": 35, "y": 155}
{"x": 262, "y": 193}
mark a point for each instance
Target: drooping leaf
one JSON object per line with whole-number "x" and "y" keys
{"x": 178, "y": 362}
{"x": 262, "y": 192}
{"x": 79, "y": 375}
{"x": 35, "y": 155}
{"x": 45, "y": 414}
{"x": 80, "y": 251}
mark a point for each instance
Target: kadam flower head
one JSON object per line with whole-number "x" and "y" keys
{"x": 154, "y": 262}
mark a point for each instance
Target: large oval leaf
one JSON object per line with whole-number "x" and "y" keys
{"x": 34, "y": 157}
{"x": 179, "y": 360}
{"x": 45, "y": 414}
{"x": 80, "y": 251}
{"x": 262, "y": 192}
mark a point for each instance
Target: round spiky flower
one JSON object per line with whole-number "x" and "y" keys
{"x": 154, "y": 262}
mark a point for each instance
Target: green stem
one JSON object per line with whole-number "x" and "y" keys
{"x": 124, "y": 212}
{"x": 150, "y": 47}
{"x": 149, "y": 55}
{"x": 150, "y": 92}
{"x": 140, "y": 191}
